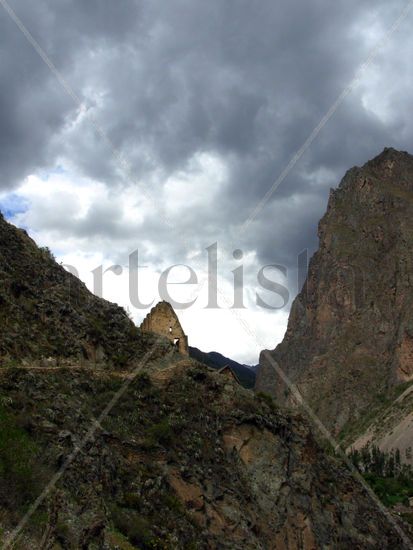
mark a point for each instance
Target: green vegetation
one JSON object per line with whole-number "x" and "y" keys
{"x": 121, "y": 359}
{"x": 159, "y": 433}
{"x": 391, "y": 490}
{"x": 268, "y": 400}
{"x": 9, "y": 363}
{"x": 132, "y": 501}
{"x": 62, "y": 531}
{"x": 46, "y": 253}
{"x": 97, "y": 328}
{"x": 133, "y": 528}
{"x": 391, "y": 480}
{"x": 400, "y": 388}
{"x": 408, "y": 517}
{"x": 173, "y": 503}
{"x": 18, "y": 458}
{"x": 119, "y": 541}
{"x": 142, "y": 380}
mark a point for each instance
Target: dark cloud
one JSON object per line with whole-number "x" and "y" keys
{"x": 245, "y": 82}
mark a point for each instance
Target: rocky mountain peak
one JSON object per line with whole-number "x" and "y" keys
{"x": 350, "y": 333}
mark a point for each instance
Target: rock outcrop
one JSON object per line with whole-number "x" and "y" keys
{"x": 162, "y": 320}
{"x": 188, "y": 461}
{"x": 349, "y": 341}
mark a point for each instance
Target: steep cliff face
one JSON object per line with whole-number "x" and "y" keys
{"x": 349, "y": 342}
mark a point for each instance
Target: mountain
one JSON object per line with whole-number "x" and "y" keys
{"x": 47, "y": 314}
{"x": 185, "y": 459}
{"x": 244, "y": 373}
{"x": 168, "y": 455}
{"x": 349, "y": 341}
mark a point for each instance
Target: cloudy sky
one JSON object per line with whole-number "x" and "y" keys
{"x": 158, "y": 127}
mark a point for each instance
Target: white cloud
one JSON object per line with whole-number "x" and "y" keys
{"x": 59, "y": 201}
{"x": 197, "y": 187}
{"x": 206, "y": 103}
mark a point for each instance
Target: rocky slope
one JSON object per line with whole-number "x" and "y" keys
{"x": 185, "y": 459}
{"x": 349, "y": 342}
{"x": 47, "y": 314}
{"x": 390, "y": 427}
{"x": 177, "y": 456}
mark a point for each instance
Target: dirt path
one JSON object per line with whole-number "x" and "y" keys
{"x": 91, "y": 370}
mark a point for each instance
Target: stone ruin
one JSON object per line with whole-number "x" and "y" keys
{"x": 163, "y": 320}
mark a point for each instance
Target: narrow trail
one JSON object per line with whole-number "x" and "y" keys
{"x": 91, "y": 370}
{"x": 95, "y": 370}
{"x": 60, "y": 367}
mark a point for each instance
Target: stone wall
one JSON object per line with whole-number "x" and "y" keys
{"x": 163, "y": 320}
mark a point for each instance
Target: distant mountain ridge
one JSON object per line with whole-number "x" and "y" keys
{"x": 245, "y": 373}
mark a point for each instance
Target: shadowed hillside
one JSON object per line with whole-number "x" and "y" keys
{"x": 47, "y": 313}
{"x": 175, "y": 457}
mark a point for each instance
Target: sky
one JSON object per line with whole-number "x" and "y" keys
{"x": 148, "y": 133}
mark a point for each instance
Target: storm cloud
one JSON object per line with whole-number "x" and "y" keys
{"x": 202, "y": 105}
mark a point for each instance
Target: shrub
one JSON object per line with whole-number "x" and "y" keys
{"x": 96, "y": 328}
{"x": 173, "y": 503}
{"x": 132, "y": 500}
{"x": 18, "y": 463}
{"x": 160, "y": 433}
{"x": 268, "y": 400}
{"x": 121, "y": 359}
{"x": 47, "y": 253}
{"x": 143, "y": 380}
{"x": 133, "y": 526}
